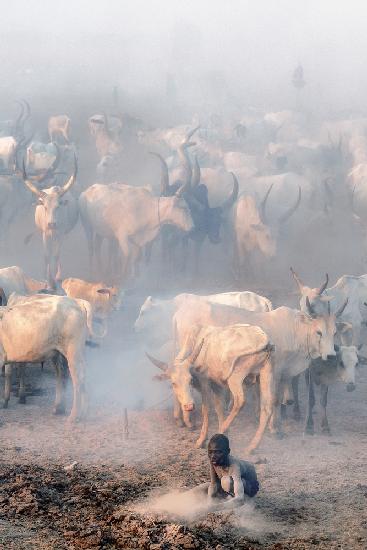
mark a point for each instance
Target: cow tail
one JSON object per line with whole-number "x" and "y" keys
{"x": 89, "y": 319}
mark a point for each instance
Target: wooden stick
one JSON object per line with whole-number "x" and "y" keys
{"x": 126, "y": 425}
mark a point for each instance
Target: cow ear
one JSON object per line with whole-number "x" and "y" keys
{"x": 160, "y": 377}
{"x": 104, "y": 291}
{"x": 343, "y": 327}
{"x": 257, "y": 226}
{"x": 39, "y": 201}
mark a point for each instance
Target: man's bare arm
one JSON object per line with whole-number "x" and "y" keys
{"x": 214, "y": 486}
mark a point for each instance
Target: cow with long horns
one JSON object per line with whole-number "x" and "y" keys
{"x": 253, "y": 231}
{"x": 131, "y": 216}
{"x": 56, "y": 214}
{"x": 207, "y": 220}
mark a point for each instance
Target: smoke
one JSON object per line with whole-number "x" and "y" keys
{"x": 239, "y": 51}
{"x": 192, "y": 507}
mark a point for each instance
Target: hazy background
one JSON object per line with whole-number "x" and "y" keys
{"x": 243, "y": 50}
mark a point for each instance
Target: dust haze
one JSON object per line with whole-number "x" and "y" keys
{"x": 169, "y": 66}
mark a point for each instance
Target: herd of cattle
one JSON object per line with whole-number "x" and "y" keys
{"x": 242, "y": 187}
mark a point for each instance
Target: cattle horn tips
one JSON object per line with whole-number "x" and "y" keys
{"x": 160, "y": 364}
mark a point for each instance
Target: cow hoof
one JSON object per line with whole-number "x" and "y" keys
{"x": 180, "y": 424}
{"x": 309, "y": 431}
{"x": 22, "y": 400}
{"x": 200, "y": 444}
{"x": 326, "y": 431}
{"x": 5, "y": 406}
{"x": 58, "y": 410}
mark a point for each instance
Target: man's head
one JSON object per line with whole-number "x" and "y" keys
{"x": 218, "y": 450}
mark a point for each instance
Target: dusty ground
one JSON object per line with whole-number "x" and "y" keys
{"x": 313, "y": 491}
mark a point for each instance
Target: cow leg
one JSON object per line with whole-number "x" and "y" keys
{"x": 7, "y": 384}
{"x": 236, "y": 262}
{"x": 218, "y": 402}
{"x": 267, "y": 396}
{"x": 90, "y": 243}
{"x": 295, "y": 388}
{"x": 275, "y": 424}
{"x": 185, "y": 253}
{"x": 148, "y": 252}
{"x": 59, "y": 405}
{"x": 22, "y": 394}
{"x": 98, "y": 256}
{"x": 76, "y": 369}
{"x": 283, "y": 412}
{"x": 256, "y": 399}
{"x": 309, "y": 427}
{"x": 177, "y": 412}
{"x": 204, "y": 389}
{"x": 198, "y": 245}
{"x": 323, "y": 402}
{"x": 235, "y": 385}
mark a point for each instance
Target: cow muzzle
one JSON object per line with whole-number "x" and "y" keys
{"x": 188, "y": 407}
{"x": 351, "y": 387}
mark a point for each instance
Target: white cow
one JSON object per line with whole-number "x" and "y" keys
{"x": 154, "y": 321}
{"x": 222, "y": 357}
{"x": 132, "y": 216}
{"x": 55, "y": 216}
{"x": 31, "y": 330}
{"x": 297, "y": 337}
{"x": 13, "y": 279}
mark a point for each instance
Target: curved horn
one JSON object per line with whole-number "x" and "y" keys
{"x": 228, "y": 203}
{"x": 342, "y": 308}
{"x": 164, "y": 174}
{"x": 18, "y": 126}
{"x": 190, "y": 134}
{"x": 196, "y": 352}
{"x": 293, "y": 208}
{"x": 297, "y": 279}
{"x": 310, "y": 309}
{"x": 185, "y": 160}
{"x": 29, "y": 184}
{"x": 323, "y": 287}
{"x": 71, "y": 180}
{"x": 262, "y": 212}
{"x": 3, "y": 300}
{"x": 196, "y": 174}
{"x": 157, "y": 363}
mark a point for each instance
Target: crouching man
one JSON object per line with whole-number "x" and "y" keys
{"x": 231, "y": 479}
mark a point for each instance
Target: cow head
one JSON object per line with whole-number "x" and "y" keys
{"x": 109, "y": 298}
{"x": 180, "y": 374}
{"x": 348, "y": 360}
{"x": 209, "y": 220}
{"x": 155, "y": 321}
{"x": 319, "y": 302}
{"x": 322, "y": 332}
{"x": 51, "y": 199}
